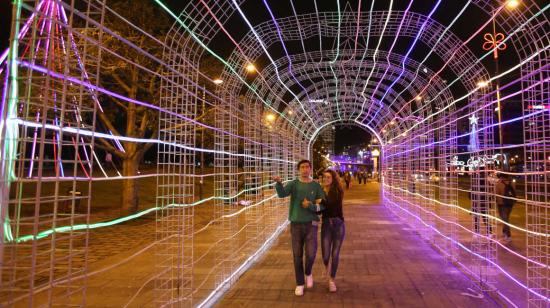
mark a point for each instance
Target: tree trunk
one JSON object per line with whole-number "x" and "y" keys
{"x": 130, "y": 188}
{"x": 130, "y": 163}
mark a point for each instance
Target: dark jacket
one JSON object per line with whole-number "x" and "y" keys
{"x": 333, "y": 205}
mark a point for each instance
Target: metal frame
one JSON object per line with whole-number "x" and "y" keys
{"x": 418, "y": 117}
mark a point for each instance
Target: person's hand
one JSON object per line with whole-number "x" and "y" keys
{"x": 306, "y": 203}
{"x": 277, "y": 179}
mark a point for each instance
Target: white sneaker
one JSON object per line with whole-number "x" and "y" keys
{"x": 331, "y": 285}
{"x": 299, "y": 291}
{"x": 309, "y": 281}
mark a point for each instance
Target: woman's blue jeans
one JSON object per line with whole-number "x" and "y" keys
{"x": 333, "y": 232}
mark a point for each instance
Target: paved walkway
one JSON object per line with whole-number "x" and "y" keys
{"x": 383, "y": 264}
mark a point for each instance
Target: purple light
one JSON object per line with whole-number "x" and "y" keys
{"x": 280, "y": 36}
{"x": 388, "y": 57}
{"x": 130, "y": 100}
{"x": 405, "y": 60}
{"x": 452, "y": 56}
{"x": 472, "y": 252}
{"x": 22, "y": 33}
{"x": 483, "y": 128}
{"x": 88, "y": 133}
{"x": 470, "y": 231}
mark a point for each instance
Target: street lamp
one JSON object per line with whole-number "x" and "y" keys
{"x": 512, "y": 4}
{"x": 495, "y": 41}
{"x": 217, "y": 81}
{"x": 250, "y": 68}
{"x": 374, "y": 156}
{"x": 270, "y": 117}
{"x": 482, "y": 84}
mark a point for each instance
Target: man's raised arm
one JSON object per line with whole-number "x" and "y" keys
{"x": 282, "y": 191}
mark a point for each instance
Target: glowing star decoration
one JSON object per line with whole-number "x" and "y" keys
{"x": 494, "y": 42}
{"x": 474, "y": 142}
{"x": 473, "y": 119}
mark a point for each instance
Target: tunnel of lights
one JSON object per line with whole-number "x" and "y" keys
{"x": 412, "y": 81}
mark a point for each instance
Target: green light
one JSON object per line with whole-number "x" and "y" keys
{"x": 49, "y": 232}
{"x": 11, "y": 129}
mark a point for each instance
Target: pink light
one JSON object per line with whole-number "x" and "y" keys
{"x": 421, "y": 93}
{"x": 471, "y": 252}
{"x": 78, "y": 157}
{"x": 472, "y": 232}
{"x": 34, "y": 145}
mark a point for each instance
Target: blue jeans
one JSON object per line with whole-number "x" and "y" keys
{"x": 333, "y": 232}
{"x": 303, "y": 234}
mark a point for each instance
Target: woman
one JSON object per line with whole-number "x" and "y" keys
{"x": 333, "y": 228}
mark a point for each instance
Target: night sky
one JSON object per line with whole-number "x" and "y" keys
{"x": 350, "y": 135}
{"x": 5, "y": 21}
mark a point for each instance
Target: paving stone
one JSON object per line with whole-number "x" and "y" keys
{"x": 382, "y": 264}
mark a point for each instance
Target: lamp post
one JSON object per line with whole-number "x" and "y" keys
{"x": 493, "y": 41}
{"x": 201, "y": 181}
{"x": 375, "y": 154}
{"x": 217, "y": 82}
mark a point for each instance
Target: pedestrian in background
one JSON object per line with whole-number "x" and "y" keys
{"x": 505, "y": 194}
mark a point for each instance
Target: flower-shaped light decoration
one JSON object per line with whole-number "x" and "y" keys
{"x": 494, "y": 42}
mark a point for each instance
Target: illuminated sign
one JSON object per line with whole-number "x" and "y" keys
{"x": 474, "y": 162}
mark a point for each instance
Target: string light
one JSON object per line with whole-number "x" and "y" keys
{"x": 510, "y": 36}
{"x": 262, "y": 45}
{"x": 226, "y": 64}
{"x": 470, "y": 251}
{"x": 395, "y": 80}
{"x": 414, "y": 150}
{"x": 119, "y": 220}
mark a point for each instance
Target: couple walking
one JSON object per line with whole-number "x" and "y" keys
{"x": 308, "y": 200}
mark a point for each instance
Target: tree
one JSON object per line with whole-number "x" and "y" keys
{"x": 124, "y": 75}
{"x": 318, "y": 156}
{"x": 121, "y": 117}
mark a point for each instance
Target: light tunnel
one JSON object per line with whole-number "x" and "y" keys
{"x": 455, "y": 93}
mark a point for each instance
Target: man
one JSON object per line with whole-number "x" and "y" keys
{"x": 347, "y": 179}
{"x": 505, "y": 193}
{"x": 305, "y": 199}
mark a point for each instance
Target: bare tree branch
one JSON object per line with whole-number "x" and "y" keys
{"x": 121, "y": 82}
{"x": 143, "y": 125}
{"x": 105, "y": 145}
{"x": 107, "y": 122}
{"x": 119, "y": 103}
